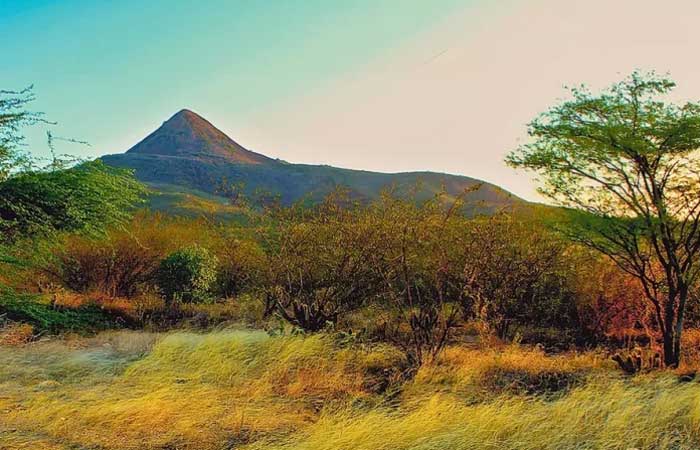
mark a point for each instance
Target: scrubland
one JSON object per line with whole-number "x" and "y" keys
{"x": 333, "y": 331}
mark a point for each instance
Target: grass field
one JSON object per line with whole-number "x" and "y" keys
{"x": 246, "y": 389}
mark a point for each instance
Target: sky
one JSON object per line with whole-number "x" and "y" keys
{"x": 386, "y": 85}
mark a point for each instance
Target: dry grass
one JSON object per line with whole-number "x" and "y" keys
{"x": 246, "y": 389}
{"x": 649, "y": 414}
{"x": 189, "y": 391}
{"x": 476, "y": 374}
{"x": 12, "y": 334}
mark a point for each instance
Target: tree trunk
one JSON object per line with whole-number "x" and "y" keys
{"x": 674, "y": 329}
{"x": 671, "y": 349}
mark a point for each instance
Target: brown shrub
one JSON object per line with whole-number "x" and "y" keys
{"x": 124, "y": 262}
{"x": 13, "y": 334}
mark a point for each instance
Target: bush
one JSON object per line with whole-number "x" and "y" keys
{"x": 188, "y": 275}
{"x": 419, "y": 256}
{"x": 123, "y": 263}
{"x": 319, "y": 264}
{"x": 241, "y": 263}
{"x": 84, "y": 198}
{"x": 44, "y": 317}
{"x": 118, "y": 266}
{"x": 522, "y": 276}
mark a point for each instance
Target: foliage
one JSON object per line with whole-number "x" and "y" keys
{"x": 118, "y": 265}
{"x": 242, "y": 262}
{"x": 420, "y": 261}
{"x": 88, "y": 197}
{"x": 318, "y": 265}
{"x": 123, "y": 262}
{"x": 628, "y": 162}
{"x": 13, "y": 117}
{"x": 188, "y": 275}
{"x": 519, "y": 275}
{"x": 44, "y": 317}
{"x": 610, "y": 304}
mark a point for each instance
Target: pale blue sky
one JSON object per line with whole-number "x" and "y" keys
{"x": 103, "y": 69}
{"x": 388, "y": 85}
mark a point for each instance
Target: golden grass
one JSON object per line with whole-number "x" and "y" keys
{"x": 246, "y": 389}
{"x": 16, "y": 334}
{"x": 190, "y": 391}
{"x": 658, "y": 414}
{"x": 477, "y": 374}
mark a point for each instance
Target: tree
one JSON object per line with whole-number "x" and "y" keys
{"x": 626, "y": 162}
{"x": 318, "y": 262}
{"x": 13, "y": 117}
{"x": 519, "y": 275}
{"x": 59, "y": 196}
{"x": 85, "y": 198}
{"x": 420, "y": 259}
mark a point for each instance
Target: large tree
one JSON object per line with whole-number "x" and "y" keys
{"x": 626, "y": 162}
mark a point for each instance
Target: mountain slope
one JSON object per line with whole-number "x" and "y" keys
{"x": 190, "y": 153}
{"x": 188, "y": 135}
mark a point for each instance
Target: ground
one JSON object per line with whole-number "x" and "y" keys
{"x": 248, "y": 389}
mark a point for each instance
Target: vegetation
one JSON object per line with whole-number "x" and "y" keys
{"x": 319, "y": 265}
{"x": 187, "y": 275}
{"x": 628, "y": 161}
{"x": 398, "y": 321}
{"x": 84, "y": 198}
{"x": 43, "y": 317}
{"x": 246, "y": 389}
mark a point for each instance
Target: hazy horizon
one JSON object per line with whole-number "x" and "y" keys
{"x": 444, "y": 86}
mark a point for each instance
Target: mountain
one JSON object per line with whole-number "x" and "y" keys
{"x": 188, "y": 157}
{"x": 188, "y": 135}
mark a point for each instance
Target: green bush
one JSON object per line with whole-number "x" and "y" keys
{"x": 38, "y": 312}
{"x": 188, "y": 275}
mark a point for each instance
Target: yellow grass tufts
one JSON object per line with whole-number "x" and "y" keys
{"x": 191, "y": 391}
{"x": 479, "y": 374}
{"x": 248, "y": 390}
{"x": 650, "y": 414}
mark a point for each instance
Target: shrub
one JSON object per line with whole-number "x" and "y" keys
{"x": 188, "y": 275}
{"x": 419, "y": 257}
{"x": 117, "y": 266}
{"x": 521, "y": 276}
{"x": 241, "y": 263}
{"x": 319, "y": 264}
{"x": 84, "y": 198}
{"x": 44, "y": 317}
{"x": 124, "y": 263}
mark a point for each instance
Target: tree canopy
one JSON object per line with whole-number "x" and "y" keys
{"x": 59, "y": 196}
{"x": 627, "y": 161}
{"x": 84, "y": 198}
{"x": 13, "y": 118}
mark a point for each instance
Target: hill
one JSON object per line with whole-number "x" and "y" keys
{"x": 189, "y": 153}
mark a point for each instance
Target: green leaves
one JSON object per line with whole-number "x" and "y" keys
{"x": 86, "y": 198}
{"x": 598, "y": 152}
{"x": 13, "y": 117}
{"x": 628, "y": 162}
{"x": 188, "y": 275}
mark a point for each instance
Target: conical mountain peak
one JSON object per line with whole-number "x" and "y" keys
{"x": 187, "y": 134}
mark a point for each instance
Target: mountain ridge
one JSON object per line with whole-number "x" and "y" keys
{"x": 190, "y": 152}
